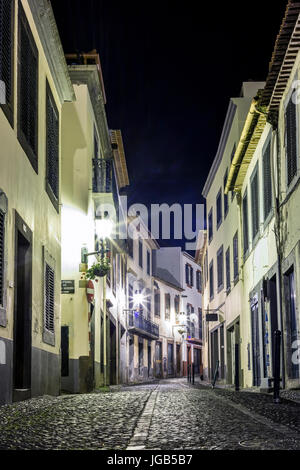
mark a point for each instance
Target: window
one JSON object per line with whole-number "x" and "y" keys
{"x": 2, "y": 237}
{"x": 199, "y": 281}
{"x": 140, "y": 253}
{"x": 49, "y": 298}
{"x": 235, "y": 257}
{"x": 167, "y": 306}
{"x": 130, "y": 297}
{"x": 228, "y": 283}
{"x": 96, "y": 144}
{"x": 6, "y": 57}
{"x": 189, "y": 275}
{"x": 267, "y": 181}
{"x": 28, "y": 91}
{"x": 225, "y": 195}
{"x": 245, "y": 223}
{"x": 219, "y": 208}
{"x": 291, "y": 140}
{"x": 177, "y": 304}
{"x": 157, "y": 302}
{"x": 200, "y": 323}
{"x": 220, "y": 268}
{"x": 52, "y": 149}
{"x": 130, "y": 245}
{"x": 210, "y": 226}
{"x": 255, "y": 203}
{"x": 148, "y": 263}
{"x": 211, "y": 280}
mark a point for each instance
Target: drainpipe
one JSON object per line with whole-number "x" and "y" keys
{"x": 276, "y": 205}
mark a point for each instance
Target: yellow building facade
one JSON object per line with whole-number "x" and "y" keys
{"x": 36, "y": 84}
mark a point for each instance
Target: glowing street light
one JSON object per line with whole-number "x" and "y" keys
{"x": 104, "y": 228}
{"x": 138, "y": 299}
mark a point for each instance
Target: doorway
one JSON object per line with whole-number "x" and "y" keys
{"x": 255, "y": 345}
{"x": 178, "y": 359}
{"x": 22, "y": 311}
{"x": 113, "y": 354}
{"x": 170, "y": 359}
{"x": 158, "y": 359}
{"x": 149, "y": 359}
{"x": 273, "y": 315}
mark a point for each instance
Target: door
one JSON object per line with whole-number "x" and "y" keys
{"x": 170, "y": 359}
{"x": 141, "y": 356}
{"x": 178, "y": 359}
{"x": 149, "y": 360}
{"x": 113, "y": 354}
{"x": 222, "y": 362}
{"x": 158, "y": 359}
{"x": 255, "y": 345}
{"x": 273, "y": 315}
{"x": 64, "y": 351}
{"x": 22, "y": 311}
{"x": 214, "y": 352}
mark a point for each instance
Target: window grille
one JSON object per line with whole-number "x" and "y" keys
{"x": 28, "y": 91}
{"x": 255, "y": 204}
{"x": 228, "y": 283}
{"x": 220, "y": 267}
{"x": 267, "y": 181}
{"x": 6, "y": 50}
{"x": 235, "y": 257}
{"x": 245, "y": 223}
{"x": 291, "y": 140}
{"x": 49, "y": 298}
{"x": 52, "y": 138}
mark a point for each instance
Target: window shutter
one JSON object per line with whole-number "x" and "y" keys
{"x": 220, "y": 268}
{"x": 225, "y": 195}
{"x": 228, "y": 283}
{"x": 2, "y": 235}
{"x": 235, "y": 257}
{"x": 192, "y": 277}
{"x": 245, "y": 224}
{"x": 28, "y": 91}
{"x": 6, "y": 47}
{"x": 255, "y": 205}
{"x": 52, "y": 145}
{"x": 49, "y": 298}
{"x": 187, "y": 274}
{"x": 211, "y": 280}
{"x": 291, "y": 141}
{"x": 267, "y": 181}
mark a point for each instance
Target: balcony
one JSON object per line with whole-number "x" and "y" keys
{"x": 139, "y": 325}
{"x": 102, "y": 182}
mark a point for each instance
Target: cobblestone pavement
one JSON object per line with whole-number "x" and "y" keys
{"x": 166, "y": 416}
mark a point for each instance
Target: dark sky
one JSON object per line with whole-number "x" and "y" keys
{"x": 170, "y": 68}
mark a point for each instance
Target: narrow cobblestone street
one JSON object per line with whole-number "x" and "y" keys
{"x": 171, "y": 415}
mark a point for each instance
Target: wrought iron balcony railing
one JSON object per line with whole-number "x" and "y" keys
{"x": 102, "y": 175}
{"x": 139, "y": 325}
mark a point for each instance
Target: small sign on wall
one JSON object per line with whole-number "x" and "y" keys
{"x": 68, "y": 287}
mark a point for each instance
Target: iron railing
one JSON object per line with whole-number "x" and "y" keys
{"x": 102, "y": 175}
{"x": 137, "y": 320}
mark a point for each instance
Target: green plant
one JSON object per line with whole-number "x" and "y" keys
{"x": 99, "y": 269}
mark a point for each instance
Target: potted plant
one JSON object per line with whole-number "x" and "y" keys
{"x": 99, "y": 269}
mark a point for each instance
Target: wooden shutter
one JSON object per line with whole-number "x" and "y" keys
{"x": 2, "y": 236}
{"x": 191, "y": 276}
{"x": 228, "y": 283}
{"x": 255, "y": 204}
{"x": 28, "y": 91}
{"x": 225, "y": 195}
{"x": 235, "y": 257}
{"x": 6, "y": 48}
{"x": 49, "y": 298}
{"x": 220, "y": 268}
{"x": 187, "y": 274}
{"x": 291, "y": 141}
{"x": 211, "y": 280}
{"x": 52, "y": 145}
{"x": 267, "y": 181}
{"x": 245, "y": 223}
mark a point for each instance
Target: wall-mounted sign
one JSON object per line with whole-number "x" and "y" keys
{"x": 212, "y": 317}
{"x": 68, "y": 287}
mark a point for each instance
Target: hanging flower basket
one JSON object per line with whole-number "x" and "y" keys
{"x": 98, "y": 270}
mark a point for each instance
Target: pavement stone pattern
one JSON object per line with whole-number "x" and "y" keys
{"x": 171, "y": 415}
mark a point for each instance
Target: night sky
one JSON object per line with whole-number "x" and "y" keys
{"x": 169, "y": 69}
